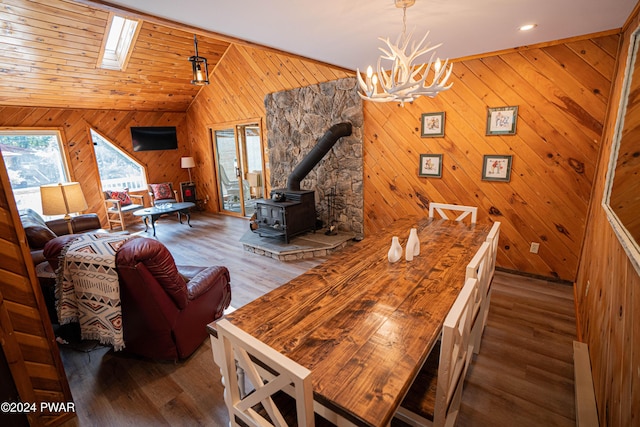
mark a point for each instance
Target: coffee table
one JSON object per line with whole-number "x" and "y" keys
{"x": 156, "y": 212}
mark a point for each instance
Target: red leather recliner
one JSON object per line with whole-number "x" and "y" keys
{"x": 165, "y": 308}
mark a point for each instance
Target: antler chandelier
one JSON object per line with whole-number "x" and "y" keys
{"x": 405, "y": 81}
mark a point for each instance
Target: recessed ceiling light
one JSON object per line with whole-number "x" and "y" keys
{"x": 528, "y": 27}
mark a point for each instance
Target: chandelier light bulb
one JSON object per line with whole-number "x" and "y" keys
{"x": 406, "y": 80}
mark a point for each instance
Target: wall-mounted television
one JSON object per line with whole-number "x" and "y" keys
{"x": 149, "y": 138}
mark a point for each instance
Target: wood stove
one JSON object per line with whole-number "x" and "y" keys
{"x": 292, "y": 211}
{"x": 295, "y": 215}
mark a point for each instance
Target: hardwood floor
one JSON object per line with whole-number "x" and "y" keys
{"x": 523, "y": 375}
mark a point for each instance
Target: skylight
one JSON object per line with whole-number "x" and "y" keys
{"x": 119, "y": 43}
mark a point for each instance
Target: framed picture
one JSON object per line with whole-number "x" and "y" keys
{"x": 502, "y": 121}
{"x": 431, "y": 165}
{"x": 432, "y": 125}
{"x": 496, "y": 168}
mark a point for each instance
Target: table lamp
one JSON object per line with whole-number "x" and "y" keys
{"x": 188, "y": 163}
{"x": 59, "y": 199}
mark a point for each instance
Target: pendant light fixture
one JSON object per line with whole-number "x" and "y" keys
{"x": 406, "y": 80}
{"x": 199, "y": 66}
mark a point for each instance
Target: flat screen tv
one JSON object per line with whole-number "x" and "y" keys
{"x": 149, "y": 138}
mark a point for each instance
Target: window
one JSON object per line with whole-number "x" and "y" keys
{"x": 117, "y": 170}
{"x": 33, "y": 158}
{"x": 118, "y": 43}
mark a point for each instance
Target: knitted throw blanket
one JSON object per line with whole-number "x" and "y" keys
{"x": 87, "y": 288}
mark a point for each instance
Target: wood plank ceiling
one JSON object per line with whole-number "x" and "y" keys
{"x": 49, "y": 57}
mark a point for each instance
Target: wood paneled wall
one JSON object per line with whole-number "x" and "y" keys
{"x": 236, "y": 94}
{"x": 561, "y": 91}
{"x": 161, "y": 166}
{"x": 608, "y": 290}
{"x": 26, "y": 336}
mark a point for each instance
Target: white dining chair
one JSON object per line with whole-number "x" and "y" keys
{"x": 493, "y": 238}
{"x": 494, "y": 241}
{"x": 238, "y": 349}
{"x": 435, "y": 395}
{"x": 442, "y": 208}
{"x": 479, "y": 268}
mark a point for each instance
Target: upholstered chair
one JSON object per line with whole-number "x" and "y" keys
{"x": 165, "y": 308}
{"x": 162, "y": 193}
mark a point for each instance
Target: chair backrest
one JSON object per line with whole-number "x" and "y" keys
{"x": 162, "y": 192}
{"x": 454, "y": 355}
{"x": 225, "y": 178}
{"x": 493, "y": 239}
{"x": 159, "y": 265}
{"x": 479, "y": 268}
{"x": 441, "y": 209}
{"x": 239, "y": 349}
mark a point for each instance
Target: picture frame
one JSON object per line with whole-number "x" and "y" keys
{"x": 496, "y": 167}
{"x": 430, "y": 165}
{"x": 502, "y": 120}
{"x": 432, "y": 125}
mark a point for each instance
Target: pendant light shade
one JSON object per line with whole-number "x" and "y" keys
{"x": 199, "y": 66}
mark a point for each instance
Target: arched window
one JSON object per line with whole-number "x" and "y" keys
{"x": 117, "y": 169}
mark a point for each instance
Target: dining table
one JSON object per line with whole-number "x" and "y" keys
{"x": 363, "y": 325}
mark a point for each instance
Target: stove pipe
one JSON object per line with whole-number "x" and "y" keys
{"x": 316, "y": 154}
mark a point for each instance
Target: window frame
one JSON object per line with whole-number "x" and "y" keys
{"x": 115, "y": 60}
{"x": 62, "y": 146}
{"x": 125, "y": 153}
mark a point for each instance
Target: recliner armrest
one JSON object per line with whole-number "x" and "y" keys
{"x": 205, "y": 280}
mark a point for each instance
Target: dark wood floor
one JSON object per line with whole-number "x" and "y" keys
{"x": 523, "y": 375}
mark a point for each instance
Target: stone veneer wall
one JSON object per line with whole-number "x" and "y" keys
{"x": 296, "y": 119}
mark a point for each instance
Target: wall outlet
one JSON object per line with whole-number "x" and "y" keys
{"x": 534, "y": 247}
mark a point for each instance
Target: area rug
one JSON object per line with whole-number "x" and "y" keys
{"x": 87, "y": 287}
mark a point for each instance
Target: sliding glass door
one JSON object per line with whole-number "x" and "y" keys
{"x": 239, "y": 167}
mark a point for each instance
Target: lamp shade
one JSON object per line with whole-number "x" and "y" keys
{"x": 187, "y": 162}
{"x": 62, "y": 199}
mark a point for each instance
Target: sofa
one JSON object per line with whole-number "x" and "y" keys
{"x": 165, "y": 308}
{"x": 39, "y": 231}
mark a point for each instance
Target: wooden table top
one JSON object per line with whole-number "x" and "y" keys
{"x": 362, "y": 325}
